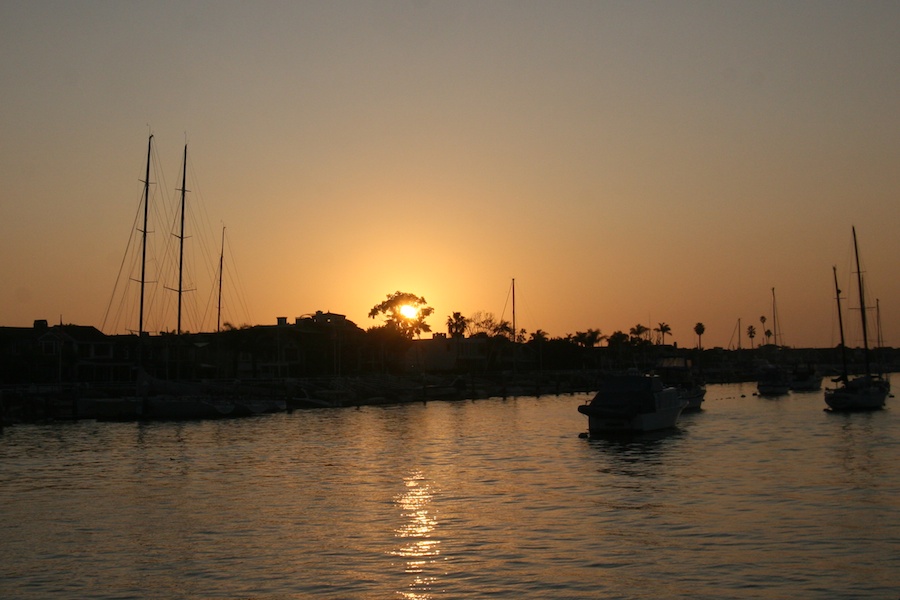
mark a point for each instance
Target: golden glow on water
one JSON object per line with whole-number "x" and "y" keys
{"x": 416, "y": 531}
{"x": 750, "y": 497}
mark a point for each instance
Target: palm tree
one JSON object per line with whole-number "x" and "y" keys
{"x": 768, "y": 334}
{"x": 581, "y": 338}
{"x": 456, "y": 325}
{"x": 504, "y": 329}
{"x": 539, "y": 336}
{"x": 751, "y": 333}
{"x": 663, "y": 330}
{"x": 699, "y": 329}
{"x": 589, "y": 338}
{"x": 637, "y": 332}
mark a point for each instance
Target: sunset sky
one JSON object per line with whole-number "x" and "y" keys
{"x": 625, "y": 162}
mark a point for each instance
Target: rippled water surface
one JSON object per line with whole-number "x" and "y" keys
{"x": 750, "y": 498}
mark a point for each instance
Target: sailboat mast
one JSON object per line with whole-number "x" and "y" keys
{"x": 181, "y": 239}
{"x": 879, "y": 340}
{"x": 862, "y": 303}
{"x": 514, "y": 308}
{"x": 774, "y": 318}
{"x": 221, "y": 261}
{"x": 144, "y": 240}
{"x": 837, "y": 291}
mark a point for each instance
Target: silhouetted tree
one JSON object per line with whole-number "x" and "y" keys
{"x": 699, "y": 329}
{"x": 617, "y": 339}
{"x": 538, "y": 336}
{"x": 751, "y": 333}
{"x": 481, "y": 322}
{"x": 619, "y": 346}
{"x": 394, "y": 318}
{"x": 768, "y": 334}
{"x": 589, "y": 338}
{"x": 504, "y": 329}
{"x": 663, "y": 330}
{"x": 638, "y": 332}
{"x": 456, "y": 325}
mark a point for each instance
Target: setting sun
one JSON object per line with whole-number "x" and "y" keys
{"x": 409, "y": 311}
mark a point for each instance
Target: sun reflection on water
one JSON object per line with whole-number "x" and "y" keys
{"x": 418, "y": 546}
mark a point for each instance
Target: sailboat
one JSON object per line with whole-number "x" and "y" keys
{"x": 867, "y": 391}
{"x": 773, "y": 380}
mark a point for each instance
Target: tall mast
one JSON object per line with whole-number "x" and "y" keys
{"x": 774, "y": 318}
{"x": 144, "y": 241}
{"x": 221, "y": 261}
{"x": 862, "y": 303}
{"x": 837, "y": 291}
{"x": 879, "y": 340}
{"x": 515, "y": 331}
{"x": 514, "y": 309}
{"x": 181, "y": 239}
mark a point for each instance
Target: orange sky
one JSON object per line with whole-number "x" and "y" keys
{"x": 625, "y": 162}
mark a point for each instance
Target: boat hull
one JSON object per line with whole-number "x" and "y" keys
{"x": 773, "y": 381}
{"x": 857, "y": 395}
{"x": 693, "y": 397}
{"x": 812, "y": 384}
{"x": 633, "y": 403}
{"x": 605, "y": 422}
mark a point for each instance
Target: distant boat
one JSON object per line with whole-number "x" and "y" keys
{"x": 805, "y": 378}
{"x": 632, "y": 403}
{"x": 772, "y": 379}
{"x": 869, "y": 390}
{"x": 678, "y": 372}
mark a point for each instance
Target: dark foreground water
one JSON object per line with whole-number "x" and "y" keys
{"x": 751, "y": 498}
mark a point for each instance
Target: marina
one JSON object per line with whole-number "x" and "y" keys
{"x": 750, "y": 497}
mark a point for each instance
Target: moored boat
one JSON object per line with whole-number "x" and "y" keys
{"x": 805, "y": 378}
{"x": 868, "y": 391}
{"x": 633, "y": 402}
{"x": 772, "y": 380}
{"x": 678, "y": 372}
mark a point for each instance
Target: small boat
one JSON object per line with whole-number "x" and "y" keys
{"x": 678, "y": 372}
{"x": 868, "y": 391}
{"x": 633, "y": 402}
{"x": 805, "y": 378}
{"x": 772, "y": 380}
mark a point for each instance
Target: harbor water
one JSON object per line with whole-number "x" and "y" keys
{"x": 750, "y": 498}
